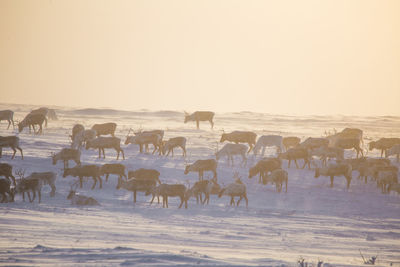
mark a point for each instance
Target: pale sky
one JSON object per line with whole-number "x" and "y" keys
{"x": 290, "y": 57}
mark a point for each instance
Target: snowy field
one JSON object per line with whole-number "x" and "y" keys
{"x": 311, "y": 220}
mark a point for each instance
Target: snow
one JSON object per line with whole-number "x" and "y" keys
{"x": 312, "y": 220}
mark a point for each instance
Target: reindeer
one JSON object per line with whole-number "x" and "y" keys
{"x": 394, "y": 150}
{"x": 82, "y": 137}
{"x": 197, "y": 190}
{"x": 80, "y": 200}
{"x": 240, "y": 137}
{"x": 264, "y": 166}
{"x": 232, "y": 149}
{"x": 113, "y": 168}
{"x": 145, "y": 174}
{"x": 313, "y": 142}
{"x": 31, "y": 120}
{"x": 278, "y": 177}
{"x": 12, "y": 142}
{"x": 145, "y": 139}
{"x": 48, "y": 178}
{"x": 5, "y": 189}
{"x": 290, "y": 142}
{"x": 6, "y": 171}
{"x": 7, "y": 115}
{"x": 295, "y": 154}
{"x": 267, "y": 141}
{"x": 105, "y": 128}
{"x": 200, "y": 116}
{"x": 326, "y": 153}
{"x": 335, "y": 170}
{"x": 137, "y": 185}
{"x": 349, "y": 143}
{"x": 170, "y": 190}
{"x": 106, "y": 142}
{"x": 41, "y": 111}
{"x": 65, "y": 155}
{"x": 201, "y": 166}
{"x": 26, "y": 185}
{"x": 76, "y": 129}
{"x": 383, "y": 144}
{"x": 233, "y": 190}
{"x": 172, "y": 143}
{"x": 93, "y": 171}
{"x": 346, "y": 133}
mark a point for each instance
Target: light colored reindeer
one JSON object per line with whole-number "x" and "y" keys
{"x": 67, "y": 154}
{"x": 172, "y": 143}
{"x": 200, "y": 116}
{"x": 268, "y": 141}
{"x": 231, "y": 150}
{"x": 101, "y": 143}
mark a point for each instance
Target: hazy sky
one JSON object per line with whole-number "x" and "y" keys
{"x": 306, "y": 57}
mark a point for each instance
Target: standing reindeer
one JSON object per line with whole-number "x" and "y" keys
{"x": 200, "y": 116}
{"x": 10, "y": 141}
{"x": 7, "y": 115}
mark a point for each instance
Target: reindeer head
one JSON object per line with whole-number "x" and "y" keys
{"x": 223, "y": 137}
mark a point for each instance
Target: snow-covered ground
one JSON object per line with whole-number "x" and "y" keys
{"x": 311, "y": 220}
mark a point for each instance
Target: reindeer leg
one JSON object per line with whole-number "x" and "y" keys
{"x": 123, "y": 155}
{"x": 80, "y": 181}
{"x": 104, "y": 154}
{"x": 289, "y": 163}
{"x": 241, "y": 197}
{"x": 198, "y": 125}
{"x": 180, "y": 206}
{"x": 117, "y": 153}
{"x": 40, "y": 195}
{"x": 100, "y": 181}
{"x": 99, "y": 153}
{"x": 94, "y": 183}
{"x": 295, "y": 161}
{"x": 15, "y": 151}
{"x": 332, "y": 181}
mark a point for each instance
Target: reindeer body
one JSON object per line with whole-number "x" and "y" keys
{"x": 240, "y": 137}
{"x": 106, "y": 142}
{"x": 67, "y": 154}
{"x": 7, "y": 115}
{"x": 174, "y": 142}
{"x": 31, "y": 120}
{"x": 200, "y": 116}
{"x": 201, "y": 166}
{"x": 93, "y": 171}
{"x": 12, "y": 142}
{"x": 105, "y": 128}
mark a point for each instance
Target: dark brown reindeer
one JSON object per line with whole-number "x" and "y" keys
{"x": 200, "y": 116}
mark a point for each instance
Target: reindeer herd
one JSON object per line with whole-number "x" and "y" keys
{"x": 269, "y": 170}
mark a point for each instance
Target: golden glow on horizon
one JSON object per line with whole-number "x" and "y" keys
{"x": 307, "y": 57}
